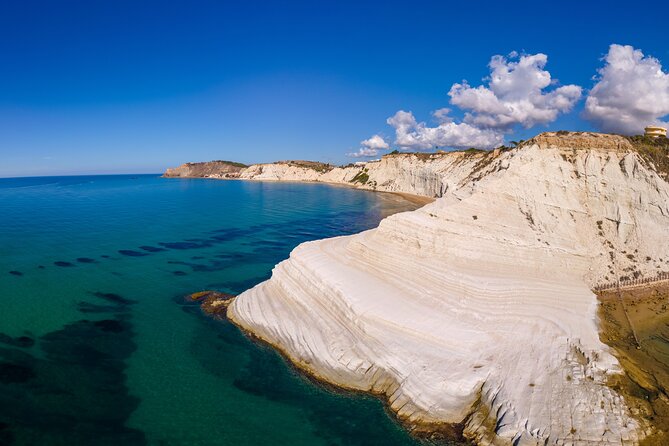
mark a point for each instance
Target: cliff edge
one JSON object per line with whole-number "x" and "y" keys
{"x": 209, "y": 169}
{"x": 427, "y": 175}
{"x": 475, "y": 313}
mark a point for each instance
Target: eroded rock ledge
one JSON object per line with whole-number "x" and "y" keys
{"x": 477, "y": 310}
{"x": 427, "y": 175}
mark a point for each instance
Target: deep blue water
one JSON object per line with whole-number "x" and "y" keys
{"x": 97, "y": 345}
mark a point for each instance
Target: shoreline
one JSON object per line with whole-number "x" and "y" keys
{"x": 477, "y": 311}
{"x": 420, "y": 200}
{"x": 635, "y": 384}
{"x": 431, "y": 431}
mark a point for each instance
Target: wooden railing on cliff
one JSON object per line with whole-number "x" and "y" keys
{"x": 631, "y": 283}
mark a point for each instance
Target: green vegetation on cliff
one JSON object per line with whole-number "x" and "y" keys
{"x": 232, "y": 163}
{"x": 654, "y": 150}
{"x": 361, "y": 177}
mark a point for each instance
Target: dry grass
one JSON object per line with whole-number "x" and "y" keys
{"x": 654, "y": 151}
{"x": 314, "y": 165}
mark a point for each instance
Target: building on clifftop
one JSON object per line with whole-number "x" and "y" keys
{"x": 655, "y": 132}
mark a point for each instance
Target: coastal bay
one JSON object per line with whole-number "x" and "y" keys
{"x": 476, "y": 312}
{"x": 95, "y": 331}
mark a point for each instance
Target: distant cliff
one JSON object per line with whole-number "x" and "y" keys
{"x": 210, "y": 169}
{"x": 428, "y": 175}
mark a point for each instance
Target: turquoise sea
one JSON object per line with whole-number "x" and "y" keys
{"x": 98, "y": 345}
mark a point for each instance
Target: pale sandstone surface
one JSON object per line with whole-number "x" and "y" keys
{"x": 417, "y": 174}
{"x": 477, "y": 308}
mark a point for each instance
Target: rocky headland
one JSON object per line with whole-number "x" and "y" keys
{"x": 420, "y": 174}
{"x": 475, "y": 313}
{"x": 209, "y": 169}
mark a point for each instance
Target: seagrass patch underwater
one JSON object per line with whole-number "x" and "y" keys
{"x": 96, "y": 346}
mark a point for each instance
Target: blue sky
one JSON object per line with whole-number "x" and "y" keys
{"x": 113, "y": 87}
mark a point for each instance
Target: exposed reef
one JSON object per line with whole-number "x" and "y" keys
{"x": 213, "y": 303}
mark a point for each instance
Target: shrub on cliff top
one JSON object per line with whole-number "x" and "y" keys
{"x": 653, "y": 150}
{"x": 232, "y": 163}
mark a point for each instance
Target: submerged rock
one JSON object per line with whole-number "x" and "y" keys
{"x": 212, "y": 302}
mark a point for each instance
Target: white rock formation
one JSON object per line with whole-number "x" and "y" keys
{"x": 477, "y": 308}
{"x": 428, "y": 175}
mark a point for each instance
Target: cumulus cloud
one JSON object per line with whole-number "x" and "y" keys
{"x": 515, "y": 95}
{"x": 363, "y": 152}
{"x": 519, "y": 92}
{"x": 442, "y": 115}
{"x": 631, "y": 92}
{"x": 370, "y": 147}
{"x": 376, "y": 142}
{"x": 413, "y": 135}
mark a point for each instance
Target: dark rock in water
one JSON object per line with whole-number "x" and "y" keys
{"x": 114, "y": 298}
{"x": 178, "y": 273}
{"x": 212, "y": 302}
{"x": 185, "y": 245}
{"x": 86, "y": 260}
{"x": 25, "y": 341}
{"x": 151, "y": 249}
{"x": 131, "y": 253}
{"x": 16, "y": 273}
{"x": 20, "y": 341}
{"x": 63, "y": 264}
{"x": 110, "y": 325}
{"x": 224, "y": 235}
{"x": 74, "y": 392}
{"x": 72, "y": 389}
{"x": 105, "y": 256}
{"x": 6, "y": 437}
{"x": 15, "y": 373}
{"x": 41, "y": 267}
{"x": 230, "y": 255}
{"x": 87, "y": 307}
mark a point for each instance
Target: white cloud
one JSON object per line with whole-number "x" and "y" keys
{"x": 631, "y": 92}
{"x": 519, "y": 92}
{"x": 370, "y": 147}
{"x": 375, "y": 142}
{"x": 442, "y": 115}
{"x": 363, "y": 152}
{"x": 516, "y": 95}
{"x": 413, "y": 135}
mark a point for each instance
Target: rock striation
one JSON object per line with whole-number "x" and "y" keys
{"x": 476, "y": 310}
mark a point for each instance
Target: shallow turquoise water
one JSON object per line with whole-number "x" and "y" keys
{"x": 97, "y": 345}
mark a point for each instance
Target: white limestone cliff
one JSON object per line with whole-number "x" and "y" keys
{"x": 477, "y": 309}
{"x": 428, "y": 175}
